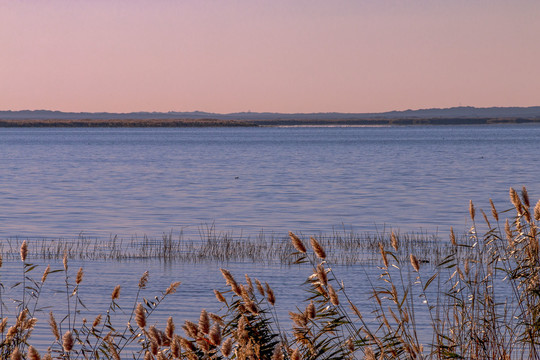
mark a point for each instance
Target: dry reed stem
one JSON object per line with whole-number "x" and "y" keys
{"x": 297, "y": 243}
{"x": 317, "y": 248}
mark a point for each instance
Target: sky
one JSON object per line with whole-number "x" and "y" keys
{"x": 278, "y": 55}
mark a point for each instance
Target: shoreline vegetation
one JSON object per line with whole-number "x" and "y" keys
{"x": 481, "y": 301}
{"x": 210, "y": 122}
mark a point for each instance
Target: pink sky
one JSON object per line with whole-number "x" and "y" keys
{"x": 275, "y": 55}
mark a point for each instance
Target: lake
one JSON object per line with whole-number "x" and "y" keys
{"x": 59, "y": 183}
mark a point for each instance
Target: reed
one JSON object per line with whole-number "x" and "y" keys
{"x": 480, "y": 301}
{"x": 348, "y": 247}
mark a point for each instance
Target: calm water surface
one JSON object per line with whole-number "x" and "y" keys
{"x": 131, "y": 182}
{"x": 61, "y": 182}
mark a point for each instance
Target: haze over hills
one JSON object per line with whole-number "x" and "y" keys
{"x": 455, "y": 112}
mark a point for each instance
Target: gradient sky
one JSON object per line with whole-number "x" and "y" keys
{"x": 275, "y": 55}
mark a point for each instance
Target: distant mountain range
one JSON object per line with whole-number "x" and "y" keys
{"x": 461, "y": 112}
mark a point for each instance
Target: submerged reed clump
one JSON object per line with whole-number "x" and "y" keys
{"x": 481, "y": 300}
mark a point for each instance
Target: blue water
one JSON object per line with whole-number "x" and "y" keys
{"x": 126, "y": 182}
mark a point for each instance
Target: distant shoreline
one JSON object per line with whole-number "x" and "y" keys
{"x": 140, "y": 123}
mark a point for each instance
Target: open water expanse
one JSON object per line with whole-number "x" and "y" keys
{"x": 58, "y": 183}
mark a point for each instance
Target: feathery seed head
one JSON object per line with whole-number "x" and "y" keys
{"x": 494, "y": 212}
{"x": 297, "y": 243}
{"x": 525, "y": 197}
{"x": 317, "y": 248}
{"x": 33, "y": 353}
{"x": 229, "y": 279}
{"x": 270, "y": 294}
{"x": 415, "y": 263}
{"x": 260, "y": 287}
{"x": 394, "y": 241}
{"x": 321, "y": 274}
{"x": 204, "y": 322}
{"x": 215, "y": 335}
{"x": 54, "y": 326}
{"x": 45, "y": 273}
{"x": 471, "y": 210}
{"x": 65, "y": 260}
{"x": 169, "y": 330}
{"x": 226, "y": 348}
{"x": 24, "y": 251}
{"x": 97, "y": 321}
{"x": 514, "y": 198}
{"x": 140, "y": 316}
{"x": 383, "y": 255}
{"x": 219, "y": 296}
{"x": 79, "y": 277}
{"x": 333, "y": 295}
{"x": 16, "y": 354}
{"x": 143, "y": 280}
{"x": 116, "y": 292}
{"x": 452, "y": 236}
{"x": 310, "y": 311}
{"x": 172, "y": 288}
{"x": 67, "y": 341}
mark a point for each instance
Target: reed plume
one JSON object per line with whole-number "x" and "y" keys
{"x": 317, "y": 248}
{"x": 172, "y": 288}
{"x": 415, "y": 263}
{"x": 33, "y": 354}
{"x": 140, "y": 316}
{"x": 67, "y": 341}
{"x": 297, "y": 243}
{"x": 79, "y": 277}
{"x": 54, "y": 326}
{"x": 116, "y": 292}
{"x": 24, "y": 251}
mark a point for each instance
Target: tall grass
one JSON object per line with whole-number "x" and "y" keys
{"x": 481, "y": 301}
